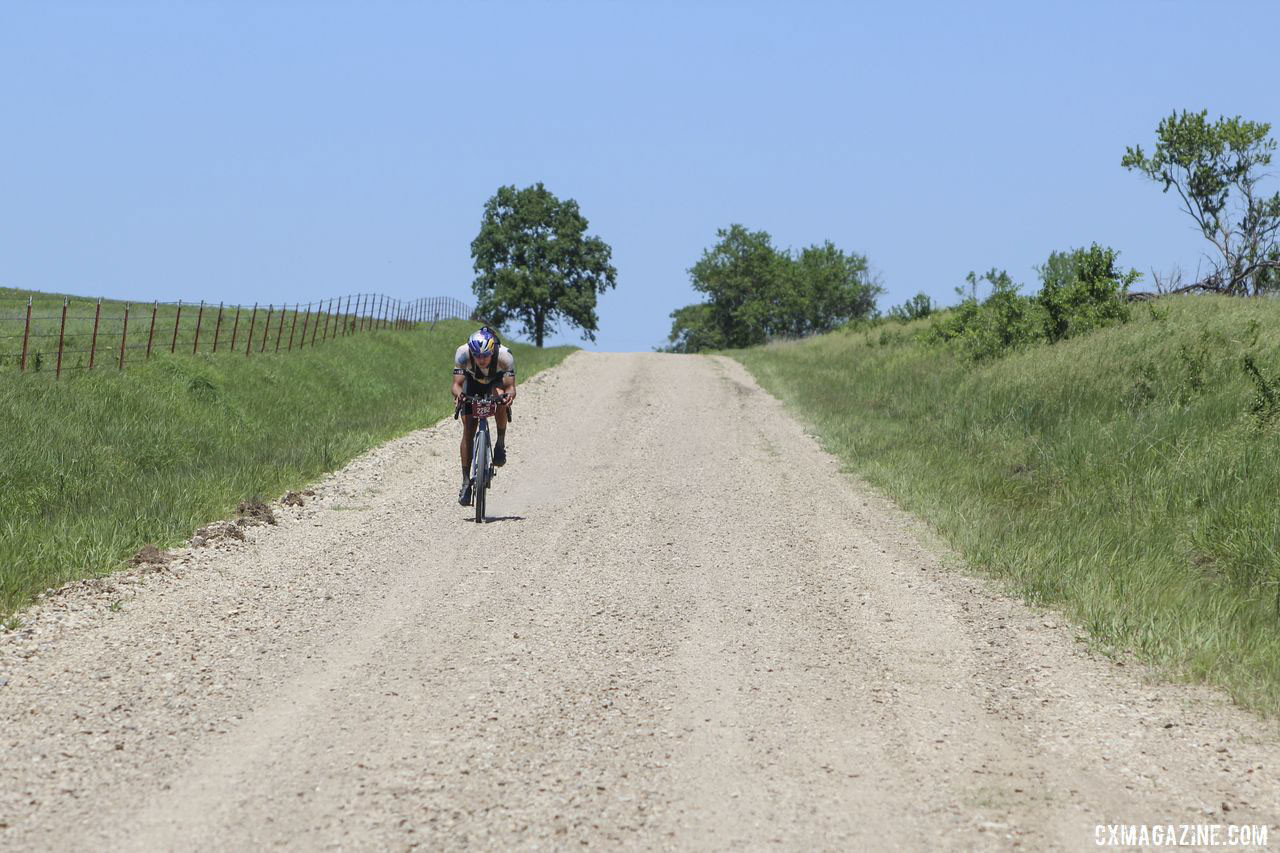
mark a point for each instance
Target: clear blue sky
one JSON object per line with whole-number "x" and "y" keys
{"x": 276, "y": 151}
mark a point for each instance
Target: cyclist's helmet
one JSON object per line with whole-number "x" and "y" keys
{"x": 483, "y": 342}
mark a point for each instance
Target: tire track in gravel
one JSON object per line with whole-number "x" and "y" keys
{"x": 687, "y": 630}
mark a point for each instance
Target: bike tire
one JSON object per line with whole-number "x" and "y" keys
{"x": 479, "y": 467}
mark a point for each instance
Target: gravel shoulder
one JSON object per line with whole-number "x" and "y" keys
{"x": 683, "y": 628}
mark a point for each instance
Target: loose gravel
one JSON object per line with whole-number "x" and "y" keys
{"x": 683, "y": 627}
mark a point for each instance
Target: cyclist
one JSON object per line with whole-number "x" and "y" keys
{"x": 483, "y": 366}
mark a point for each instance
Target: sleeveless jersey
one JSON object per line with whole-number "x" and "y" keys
{"x": 504, "y": 364}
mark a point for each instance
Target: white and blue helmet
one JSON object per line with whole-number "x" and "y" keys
{"x": 483, "y": 342}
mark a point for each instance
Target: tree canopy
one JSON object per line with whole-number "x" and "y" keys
{"x": 756, "y": 292}
{"x": 535, "y": 264}
{"x": 1215, "y": 168}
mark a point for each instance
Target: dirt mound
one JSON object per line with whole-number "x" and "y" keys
{"x": 216, "y": 532}
{"x": 254, "y": 512}
{"x": 292, "y": 499}
{"x": 150, "y": 555}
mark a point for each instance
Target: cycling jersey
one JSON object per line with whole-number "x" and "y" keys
{"x": 502, "y": 365}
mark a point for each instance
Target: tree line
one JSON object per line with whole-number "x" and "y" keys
{"x": 756, "y": 292}
{"x": 536, "y": 265}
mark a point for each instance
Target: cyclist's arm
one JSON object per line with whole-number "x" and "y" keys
{"x": 507, "y": 363}
{"x": 460, "y": 358}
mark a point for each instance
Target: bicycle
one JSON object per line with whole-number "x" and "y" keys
{"x": 482, "y": 470}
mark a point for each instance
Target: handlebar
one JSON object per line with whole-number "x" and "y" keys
{"x": 466, "y": 399}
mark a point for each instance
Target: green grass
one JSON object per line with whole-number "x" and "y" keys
{"x": 103, "y": 462}
{"x": 1129, "y": 477}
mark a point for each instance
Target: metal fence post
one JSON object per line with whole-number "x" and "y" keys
{"x": 62, "y": 331}
{"x": 293, "y": 325}
{"x": 93, "y": 342}
{"x": 26, "y": 335}
{"x": 253, "y": 318}
{"x": 302, "y": 343}
{"x": 155, "y": 306}
{"x": 195, "y": 347}
{"x": 235, "y": 328}
{"x": 284, "y": 309}
{"x": 324, "y": 336}
{"x": 266, "y": 328}
{"x": 124, "y": 335}
{"x": 217, "y": 329}
{"x": 177, "y": 318}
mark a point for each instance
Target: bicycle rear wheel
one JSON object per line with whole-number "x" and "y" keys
{"x": 480, "y": 471}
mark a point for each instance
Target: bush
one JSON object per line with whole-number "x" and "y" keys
{"x": 916, "y": 308}
{"x": 1082, "y": 290}
{"x": 1004, "y": 321}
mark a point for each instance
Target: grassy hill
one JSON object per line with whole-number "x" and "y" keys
{"x": 1130, "y": 477}
{"x": 103, "y": 462}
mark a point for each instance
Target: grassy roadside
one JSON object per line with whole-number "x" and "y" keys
{"x": 1128, "y": 477}
{"x": 99, "y": 464}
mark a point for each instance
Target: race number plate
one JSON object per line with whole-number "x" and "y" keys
{"x": 487, "y": 409}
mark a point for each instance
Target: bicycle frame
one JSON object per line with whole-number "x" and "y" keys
{"x": 482, "y": 408}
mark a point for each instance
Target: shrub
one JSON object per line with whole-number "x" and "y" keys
{"x": 1005, "y": 320}
{"x": 1082, "y": 290}
{"x": 916, "y": 308}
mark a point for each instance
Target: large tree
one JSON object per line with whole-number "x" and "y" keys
{"x": 835, "y": 287}
{"x": 754, "y": 292}
{"x": 1216, "y": 168}
{"x": 744, "y": 279}
{"x": 535, "y": 264}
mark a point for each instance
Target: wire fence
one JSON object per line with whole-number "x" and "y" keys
{"x": 57, "y": 334}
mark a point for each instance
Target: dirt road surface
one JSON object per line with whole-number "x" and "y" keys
{"x": 684, "y": 628}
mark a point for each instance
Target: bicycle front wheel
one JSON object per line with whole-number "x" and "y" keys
{"x": 480, "y": 471}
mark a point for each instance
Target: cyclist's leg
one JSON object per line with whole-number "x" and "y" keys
{"x": 472, "y": 389}
{"x": 500, "y": 424}
{"x": 501, "y": 421}
{"x": 468, "y": 436}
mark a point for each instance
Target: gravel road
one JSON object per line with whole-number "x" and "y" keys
{"x": 683, "y": 628}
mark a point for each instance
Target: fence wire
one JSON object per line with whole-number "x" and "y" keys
{"x": 54, "y": 334}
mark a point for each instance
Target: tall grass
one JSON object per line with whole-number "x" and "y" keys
{"x": 97, "y": 465}
{"x": 1129, "y": 477}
